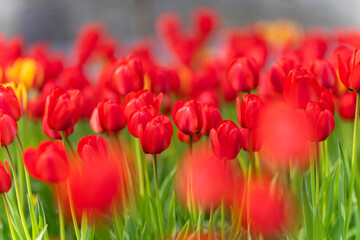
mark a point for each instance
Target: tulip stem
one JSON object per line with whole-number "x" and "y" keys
{"x": 222, "y": 220}
{"x": 317, "y": 179}
{"x": 158, "y": 200}
{"x": 353, "y": 166}
{"x": 21, "y": 212}
{"x": 34, "y": 223}
{"x": 61, "y": 214}
{"x": 72, "y": 210}
{"x": 191, "y": 201}
{"x": 140, "y": 167}
{"x": 210, "y": 222}
{"x": 8, "y": 217}
{"x": 117, "y": 223}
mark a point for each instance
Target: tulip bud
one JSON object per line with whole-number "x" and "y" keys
{"x": 347, "y": 105}
{"x": 187, "y": 116}
{"x": 320, "y": 121}
{"x": 92, "y": 149}
{"x": 243, "y": 74}
{"x": 63, "y": 109}
{"x": 8, "y": 129}
{"x": 140, "y": 117}
{"x": 128, "y": 75}
{"x": 301, "y": 87}
{"x": 251, "y": 140}
{"x": 54, "y": 134}
{"x": 9, "y": 102}
{"x": 324, "y": 73}
{"x": 135, "y": 100}
{"x": 211, "y": 118}
{"x": 108, "y": 116}
{"x": 156, "y": 136}
{"x": 226, "y": 140}
{"x": 249, "y": 110}
{"x": 279, "y": 72}
{"x": 48, "y": 162}
{"x": 5, "y": 177}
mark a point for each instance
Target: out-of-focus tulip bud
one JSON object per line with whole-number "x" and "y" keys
{"x": 140, "y": 117}
{"x": 9, "y": 102}
{"x": 63, "y": 109}
{"x": 187, "y": 116}
{"x": 205, "y": 21}
{"x": 328, "y": 99}
{"x": 209, "y": 179}
{"x": 226, "y": 140}
{"x": 72, "y": 78}
{"x": 8, "y": 129}
{"x": 128, "y": 75}
{"x": 48, "y": 162}
{"x": 211, "y": 117}
{"x": 5, "y": 177}
{"x": 186, "y": 138}
{"x": 135, "y": 100}
{"x": 156, "y": 136}
{"x": 324, "y": 72}
{"x": 251, "y": 141}
{"x": 93, "y": 149}
{"x": 320, "y": 121}
{"x": 208, "y": 97}
{"x": 301, "y": 87}
{"x": 86, "y": 41}
{"x": 249, "y": 111}
{"x": 20, "y": 92}
{"x": 161, "y": 79}
{"x": 54, "y": 134}
{"x": 347, "y": 105}
{"x": 108, "y": 116}
{"x": 243, "y": 74}
{"x": 279, "y": 72}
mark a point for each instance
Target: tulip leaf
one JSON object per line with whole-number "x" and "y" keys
{"x": 341, "y": 194}
{"x": 171, "y": 225}
{"x": 42, "y": 218}
{"x": 307, "y": 212}
{"x": 15, "y": 217}
{"x": 184, "y": 231}
{"x": 318, "y": 231}
{"x": 42, "y": 233}
{"x": 330, "y": 200}
{"x": 166, "y": 185}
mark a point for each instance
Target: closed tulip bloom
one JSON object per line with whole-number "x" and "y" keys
{"x": 243, "y": 74}
{"x": 63, "y": 109}
{"x": 5, "y": 177}
{"x": 8, "y": 129}
{"x": 320, "y": 121}
{"x": 349, "y": 71}
{"x": 128, "y": 75}
{"x": 279, "y": 71}
{"x": 211, "y": 117}
{"x": 250, "y": 141}
{"x": 301, "y": 87}
{"x": 347, "y": 105}
{"x": 48, "y": 162}
{"x": 187, "y": 116}
{"x": 324, "y": 72}
{"x": 156, "y": 136}
{"x": 9, "y": 102}
{"x": 226, "y": 140}
{"x": 108, "y": 116}
{"x": 249, "y": 110}
{"x": 92, "y": 149}
{"x": 140, "y": 117}
{"x": 54, "y": 134}
{"x": 135, "y": 100}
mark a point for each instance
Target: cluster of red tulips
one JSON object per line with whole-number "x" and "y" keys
{"x": 252, "y": 112}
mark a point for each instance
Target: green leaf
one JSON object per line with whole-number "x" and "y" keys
{"x": 184, "y": 231}
{"x": 341, "y": 194}
{"x": 15, "y": 217}
{"x": 42, "y": 217}
{"x": 307, "y": 212}
{"x": 318, "y": 231}
{"x": 167, "y": 185}
{"x": 330, "y": 200}
{"x": 42, "y": 233}
{"x": 171, "y": 225}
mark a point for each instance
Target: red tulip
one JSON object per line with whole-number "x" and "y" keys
{"x": 205, "y": 21}
{"x": 9, "y": 102}
{"x": 320, "y": 121}
{"x": 140, "y": 117}
{"x": 186, "y": 138}
{"x": 156, "y": 136}
{"x": 328, "y": 99}
{"x": 211, "y": 118}
{"x": 54, "y": 134}
{"x": 251, "y": 142}
{"x": 243, "y": 74}
{"x": 135, "y": 100}
{"x": 301, "y": 87}
{"x": 128, "y": 75}
{"x": 8, "y": 129}
{"x": 349, "y": 71}
{"x": 279, "y": 72}
{"x": 187, "y": 116}
{"x": 108, "y": 116}
{"x": 5, "y": 177}
{"x": 249, "y": 111}
{"x": 48, "y": 162}
{"x": 63, "y": 109}
{"x": 93, "y": 149}
{"x": 347, "y": 105}
{"x": 226, "y": 140}
{"x": 324, "y": 72}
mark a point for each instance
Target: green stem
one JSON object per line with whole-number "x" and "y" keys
{"x": 312, "y": 178}
{"x": 117, "y": 223}
{"x": 353, "y": 166}
{"x": 222, "y": 220}
{"x": 72, "y": 210}
{"x": 158, "y": 200}
{"x": 210, "y": 222}
{"x": 61, "y": 214}
{"x": 317, "y": 172}
{"x": 140, "y": 167}
{"x": 191, "y": 204}
{"x": 21, "y": 212}
{"x": 9, "y": 218}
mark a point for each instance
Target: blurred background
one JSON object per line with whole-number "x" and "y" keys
{"x": 58, "y": 21}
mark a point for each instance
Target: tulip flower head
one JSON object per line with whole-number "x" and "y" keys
{"x": 141, "y": 117}
{"x": 187, "y": 116}
{"x": 347, "y": 105}
{"x": 249, "y": 111}
{"x": 9, "y": 102}
{"x": 92, "y": 149}
{"x": 243, "y": 74}
{"x": 8, "y": 129}
{"x": 5, "y": 177}
{"x": 279, "y": 71}
{"x": 211, "y": 118}
{"x": 54, "y": 134}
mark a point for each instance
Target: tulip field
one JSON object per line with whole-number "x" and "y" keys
{"x": 200, "y": 132}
